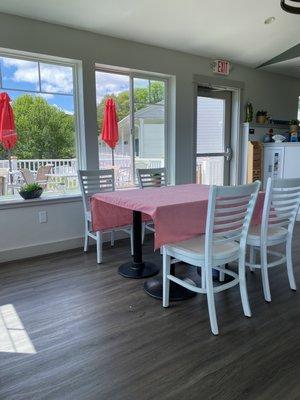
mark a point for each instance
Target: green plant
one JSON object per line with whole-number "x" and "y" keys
{"x": 31, "y": 187}
{"x": 262, "y": 113}
{"x": 294, "y": 122}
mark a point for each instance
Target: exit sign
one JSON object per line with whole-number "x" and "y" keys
{"x": 221, "y": 67}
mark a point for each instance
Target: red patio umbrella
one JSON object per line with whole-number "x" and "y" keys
{"x": 8, "y": 134}
{"x": 110, "y": 131}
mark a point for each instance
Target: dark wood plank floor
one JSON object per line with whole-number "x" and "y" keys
{"x": 99, "y": 336}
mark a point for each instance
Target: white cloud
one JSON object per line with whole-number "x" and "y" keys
{"x": 109, "y": 83}
{"x": 45, "y": 96}
{"x": 54, "y": 78}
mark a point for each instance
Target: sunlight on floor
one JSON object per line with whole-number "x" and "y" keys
{"x": 13, "y": 335}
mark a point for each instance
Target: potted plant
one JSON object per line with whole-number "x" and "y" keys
{"x": 31, "y": 191}
{"x": 294, "y": 124}
{"x": 261, "y": 117}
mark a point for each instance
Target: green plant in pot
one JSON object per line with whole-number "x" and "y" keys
{"x": 31, "y": 191}
{"x": 261, "y": 117}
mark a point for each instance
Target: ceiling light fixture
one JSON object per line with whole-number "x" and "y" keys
{"x": 290, "y": 8}
{"x": 269, "y": 20}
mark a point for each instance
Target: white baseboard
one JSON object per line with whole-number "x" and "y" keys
{"x": 50, "y": 247}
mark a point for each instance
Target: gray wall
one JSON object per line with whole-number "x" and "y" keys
{"x": 277, "y": 94}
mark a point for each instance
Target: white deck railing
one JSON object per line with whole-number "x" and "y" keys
{"x": 65, "y": 170}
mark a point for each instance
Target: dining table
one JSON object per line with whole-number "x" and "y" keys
{"x": 178, "y": 213}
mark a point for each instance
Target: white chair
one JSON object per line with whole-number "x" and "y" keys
{"x": 92, "y": 182}
{"x": 151, "y": 177}
{"x": 281, "y": 205}
{"x": 228, "y": 218}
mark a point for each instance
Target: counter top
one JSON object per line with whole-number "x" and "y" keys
{"x": 285, "y": 144}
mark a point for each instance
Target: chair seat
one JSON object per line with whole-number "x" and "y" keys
{"x": 275, "y": 234}
{"x": 194, "y": 250}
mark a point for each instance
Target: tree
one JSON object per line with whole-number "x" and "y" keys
{"x": 143, "y": 97}
{"x": 44, "y": 131}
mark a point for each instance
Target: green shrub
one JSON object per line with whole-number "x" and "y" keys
{"x": 31, "y": 187}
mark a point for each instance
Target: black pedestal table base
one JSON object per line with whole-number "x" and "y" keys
{"x": 143, "y": 270}
{"x": 137, "y": 268}
{"x": 154, "y": 287}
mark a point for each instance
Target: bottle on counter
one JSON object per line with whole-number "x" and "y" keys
{"x": 268, "y": 138}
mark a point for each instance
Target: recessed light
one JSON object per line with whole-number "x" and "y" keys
{"x": 269, "y": 20}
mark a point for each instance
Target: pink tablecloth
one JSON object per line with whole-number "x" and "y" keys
{"x": 178, "y": 212}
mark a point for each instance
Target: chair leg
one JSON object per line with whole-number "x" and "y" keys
{"x": 264, "y": 273}
{"x": 143, "y": 232}
{"x": 203, "y": 278}
{"x": 112, "y": 238}
{"x": 166, "y": 281}
{"x": 86, "y": 236}
{"x": 289, "y": 264}
{"x": 222, "y": 274}
{"x": 99, "y": 247}
{"x": 243, "y": 287}
{"x": 211, "y": 301}
{"x": 252, "y": 259}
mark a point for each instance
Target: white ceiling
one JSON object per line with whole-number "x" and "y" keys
{"x": 232, "y": 29}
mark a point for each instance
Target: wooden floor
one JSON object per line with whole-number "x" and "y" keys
{"x": 98, "y": 336}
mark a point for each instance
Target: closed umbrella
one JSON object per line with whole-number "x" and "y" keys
{"x": 110, "y": 131}
{"x": 8, "y": 134}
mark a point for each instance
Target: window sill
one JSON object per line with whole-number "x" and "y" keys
{"x": 45, "y": 199}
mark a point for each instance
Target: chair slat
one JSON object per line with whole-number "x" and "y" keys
{"x": 152, "y": 177}
{"x": 95, "y": 181}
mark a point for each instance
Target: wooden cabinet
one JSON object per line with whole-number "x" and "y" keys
{"x": 255, "y": 161}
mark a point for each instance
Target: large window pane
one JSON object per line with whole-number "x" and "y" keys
{"x": 45, "y": 126}
{"x": 141, "y": 128}
{"x": 56, "y": 78}
{"x": 210, "y": 125}
{"x": 149, "y": 123}
{"x": 19, "y": 74}
{"x": 116, "y": 86}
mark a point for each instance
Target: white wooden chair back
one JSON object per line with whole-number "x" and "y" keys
{"x": 27, "y": 175}
{"x": 92, "y": 182}
{"x": 281, "y": 204}
{"x": 229, "y": 214}
{"x": 151, "y": 177}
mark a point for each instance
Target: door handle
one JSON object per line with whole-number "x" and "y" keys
{"x": 227, "y": 154}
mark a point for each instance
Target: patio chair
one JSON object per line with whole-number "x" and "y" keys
{"x": 27, "y": 175}
{"x": 280, "y": 210}
{"x": 230, "y": 210}
{"x": 92, "y": 182}
{"x": 4, "y": 175}
{"x": 152, "y": 177}
{"x": 42, "y": 175}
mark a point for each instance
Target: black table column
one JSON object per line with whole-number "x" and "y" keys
{"x": 137, "y": 268}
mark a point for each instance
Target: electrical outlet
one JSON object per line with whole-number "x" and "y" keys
{"x": 43, "y": 217}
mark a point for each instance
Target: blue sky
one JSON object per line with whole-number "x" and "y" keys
{"x": 56, "y": 81}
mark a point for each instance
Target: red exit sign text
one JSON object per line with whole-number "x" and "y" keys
{"x": 221, "y": 67}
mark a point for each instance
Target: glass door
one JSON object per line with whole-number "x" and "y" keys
{"x": 213, "y": 137}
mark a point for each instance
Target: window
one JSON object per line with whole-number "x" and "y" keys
{"x": 42, "y": 95}
{"x": 141, "y": 111}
